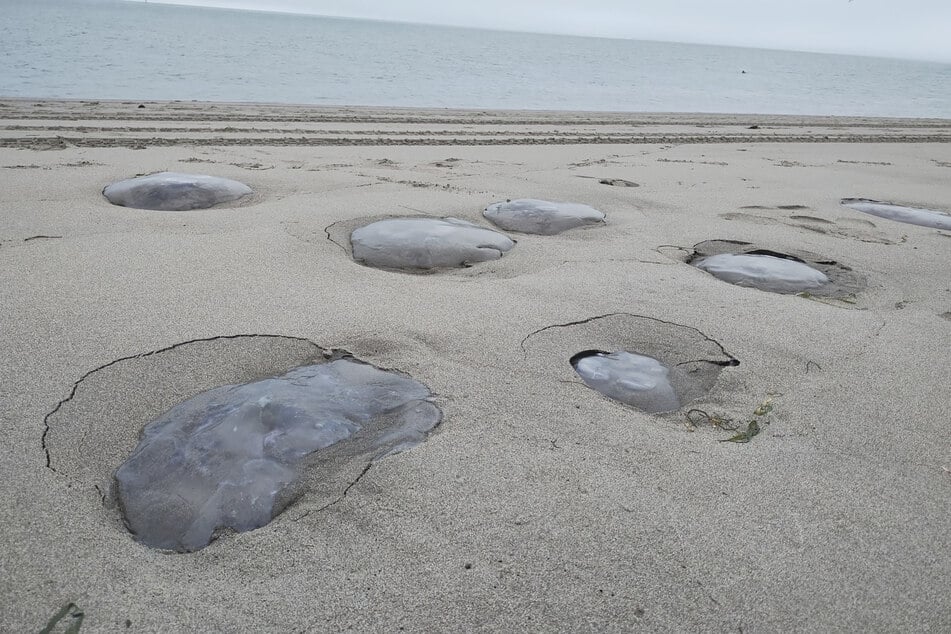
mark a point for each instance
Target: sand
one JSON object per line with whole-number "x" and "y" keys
{"x": 537, "y": 503}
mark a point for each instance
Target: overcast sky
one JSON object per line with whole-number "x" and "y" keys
{"x": 919, "y": 29}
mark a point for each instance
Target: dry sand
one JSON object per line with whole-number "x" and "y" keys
{"x": 538, "y": 503}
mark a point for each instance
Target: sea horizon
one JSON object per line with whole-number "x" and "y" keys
{"x": 97, "y": 50}
{"x": 325, "y": 16}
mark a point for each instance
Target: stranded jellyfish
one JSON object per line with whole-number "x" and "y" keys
{"x": 541, "y": 216}
{"x": 900, "y": 213}
{"x": 765, "y": 272}
{"x": 172, "y": 191}
{"x": 636, "y": 380}
{"x": 233, "y": 457}
{"x": 746, "y": 264}
{"x": 426, "y": 243}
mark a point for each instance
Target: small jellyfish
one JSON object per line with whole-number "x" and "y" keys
{"x": 640, "y": 381}
{"x": 541, "y": 217}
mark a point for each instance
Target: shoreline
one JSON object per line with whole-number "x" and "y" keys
{"x": 645, "y": 116}
{"x": 81, "y": 123}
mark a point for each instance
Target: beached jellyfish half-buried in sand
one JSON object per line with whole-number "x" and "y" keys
{"x": 172, "y": 191}
{"x": 633, "y": 379}
{"x": 426, "y": 244}
{"x": 744, "y": 264}
{"x": 233, "y": 457}
{"x": 541, "y": 217}
{"x": 901, "y": 213}
{"x": 766, "y": 272}
{"x": 649, "y": 364}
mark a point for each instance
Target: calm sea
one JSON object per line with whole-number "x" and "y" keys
{"x": 103, "y": 49}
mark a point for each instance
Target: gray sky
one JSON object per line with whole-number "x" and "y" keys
{"x": 919, "y": 29}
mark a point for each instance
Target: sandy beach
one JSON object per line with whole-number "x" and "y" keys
{"x": 537, "y": 503}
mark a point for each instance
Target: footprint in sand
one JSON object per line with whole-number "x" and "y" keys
{"x": 450, "y": 162}
{"x": 841, "y": 227}
{"x": 812, "y": 219}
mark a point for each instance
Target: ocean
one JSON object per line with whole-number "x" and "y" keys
{"x": 105, "y": 49}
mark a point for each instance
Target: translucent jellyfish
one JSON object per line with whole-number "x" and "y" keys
{"x": 765, "y": 272}
{"x": 171, "y": 191}
{"x": 426, "y": 243}
{"x": 639, "y": 381}
{"x": 230, "y": 458}
{"x": 901, "y": 213}
{"x": 541, "y": 216}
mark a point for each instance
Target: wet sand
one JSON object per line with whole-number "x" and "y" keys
{"x": 537, "y": 503}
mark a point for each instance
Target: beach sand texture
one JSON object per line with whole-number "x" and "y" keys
{"x": 537, "y": 503}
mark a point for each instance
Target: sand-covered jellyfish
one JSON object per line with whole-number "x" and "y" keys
{"x": 542, "y": 217}
{"x": 426, "y": 244}
{"x": 901, "y": 213}
{"x": 232, "y": 458}
{"x": 173, "y": 191}
{"x": 633, "y": 379}
{"x": 765, "y": 272}
{"x": 793, "y": 272}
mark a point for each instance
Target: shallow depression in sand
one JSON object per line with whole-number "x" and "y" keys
{"x": 173, "y": 191}
{"x": 653, "y": 365}
{"x": 541, "y": 217}
{"x": 223, "y": 434}
{"x": 633, "y": 379}
{"x": 901, "y": 213}
{"x": 426, "y": 244}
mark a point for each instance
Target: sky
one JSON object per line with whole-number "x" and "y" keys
{"x": 914, "y": 29}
